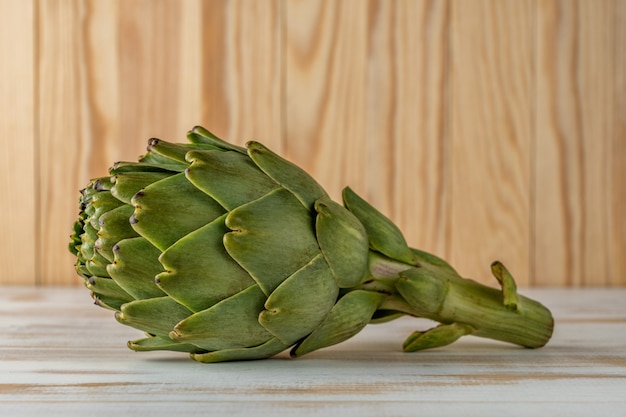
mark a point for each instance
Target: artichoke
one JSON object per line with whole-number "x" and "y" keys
{"x": 233, "y": 253}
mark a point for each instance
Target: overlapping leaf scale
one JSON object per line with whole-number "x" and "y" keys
{"x": 162, "y": 219}
{"x": 287, "y": 174}
{"x": 135, "y": 264}
{"x": 91, "y": 265}
{"x": 343, "y": 241}
{"x": 107, "y": 293}
{"x": 231, "y": 178}
{"x": 300, "y": 302}
{"x": 270, "y": 348}
{"x": 114, "y": 226}
{"x": 173, "y": 153}
{"x": 157, "y": 316}
{"x": 347, "y": 317}
{"x": 200, "y": 135}
{"x": 271, "y": 238}
{"x": 199, "y": 271}
{"x": 384, "y": 236}
{"x": 127, "y": 184}
{"x": 161, "y": 343}
{"x": 231, "y": 323}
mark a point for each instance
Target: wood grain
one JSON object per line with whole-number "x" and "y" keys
{"x": 18, "y": 188}
{"x": 64, "y": 154}
{"x": 407, "y": 121}
{"x": 325, "y": 109}
{"x": 242, "y": 71}
{"x": 62, "y": 356}
{"x": 491, "y": 106}
{"x": 578, "y": 157}
{"x": 152, "y": 45}
{"x": 484, "y": 128}
{"x": 618, "y": 151}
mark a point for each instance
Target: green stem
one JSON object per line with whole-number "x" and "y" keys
{"x": 462, "y": 306}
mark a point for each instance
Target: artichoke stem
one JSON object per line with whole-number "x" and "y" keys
{"x": 463, "y": 306}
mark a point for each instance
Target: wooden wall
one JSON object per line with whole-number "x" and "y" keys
{"x": 486, "y": 129}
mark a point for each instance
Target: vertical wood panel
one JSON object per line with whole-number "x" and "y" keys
{"x": 151, "y": 68}
{"x": 407, "y": 174}
{"x": 484, "y": 128}
{"x": 578, "y": 112}
{"x": 63, "y": 157}
{"x": 325, "y": 61}
{"x": 242, "y": 71}
{"x": 109, "y": 80}
{"x": 491, "y": 136}
{"x": 618, "y": 150}
{"x": 17, "y": 140}
{"x": 114, "y": 74}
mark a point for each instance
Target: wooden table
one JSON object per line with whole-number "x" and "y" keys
{"x": 61, "y": 356}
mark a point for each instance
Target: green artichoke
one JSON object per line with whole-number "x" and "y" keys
{"x": 233, "y": 253}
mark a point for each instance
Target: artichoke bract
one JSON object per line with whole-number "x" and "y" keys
{"x": 232, "y": 253}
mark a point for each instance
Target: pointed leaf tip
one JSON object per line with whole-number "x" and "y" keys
{"x": 343, "y": 241}
{"x": 384, "y": 235}
{"x": 286, "y": 174}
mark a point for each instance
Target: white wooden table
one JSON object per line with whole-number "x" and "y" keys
{"x": 62, "y": 356}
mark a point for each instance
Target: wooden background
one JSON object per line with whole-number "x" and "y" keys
{"x": 486, "y": 129}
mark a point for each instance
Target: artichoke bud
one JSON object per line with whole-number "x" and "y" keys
{"x": 232, "y": 253}
{"x": 220, "y": 251}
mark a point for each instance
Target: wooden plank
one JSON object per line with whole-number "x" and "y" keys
{"x": 618, "y": 151}
{"x": 158, "y": 54}
{"x": 325, "y": 78}
{"x": 491, "y": 105}
{"x": 66, "y": 150}
{"x": 406, "y": 142}
{"x": 578, "y": 145}
{"x": 54, "y": 364}
{"x": 242, "y": 71}
{"x": 18, "y": 188}
{"x": 111, "y": 77}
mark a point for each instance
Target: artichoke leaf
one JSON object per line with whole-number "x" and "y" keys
{"x": 97, "y": 266}
{"x": 114, "y": 226}
{"x": 384, "y": 236}
{"x": 441, "y": 335}
{"x": 168, "y": 167}
{"x": 160, "y": 343}
{"x": 107, "y": 293}
{"x": 287, "y": 174}
{"x": 343, "y": 241}
{"x": 200, "y": 135}
{"x": 89, "y": 236}
{"x": 199, "y": 271}
{"x": 265, "y": 350}
{"x": 423, "y": 257}
{"x": 175, "y": 151}
{"x": 231, "y": 323}
{"x": 156, "y": 316}
{"x": 230, "y": 178}
{"x": 260, "y": 230}
{"x": 101, "y": 203}
{"x": 162, "y": 219}
{"x": 134, "y": 267}
{"x": 348, "y": 316}
{"x": 301, "y": 302}
{"x": 127, "y": 184}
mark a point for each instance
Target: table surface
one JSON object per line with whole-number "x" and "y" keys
{"x": 62, "y": 356}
